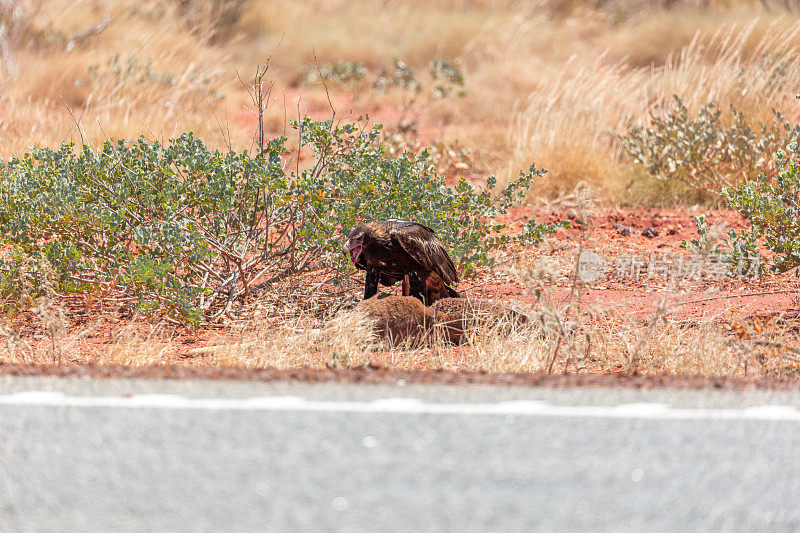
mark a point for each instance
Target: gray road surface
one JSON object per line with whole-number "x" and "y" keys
{"x": 94, "y": 455}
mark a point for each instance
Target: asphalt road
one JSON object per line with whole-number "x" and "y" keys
{"x": 116, "y": 455}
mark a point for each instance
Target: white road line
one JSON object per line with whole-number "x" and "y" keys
{"x": 399, "y": 405}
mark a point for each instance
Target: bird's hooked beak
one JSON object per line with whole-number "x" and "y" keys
{"x": 354, "y": 249}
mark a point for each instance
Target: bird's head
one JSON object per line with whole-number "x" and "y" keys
{"x": 354, "y": 245}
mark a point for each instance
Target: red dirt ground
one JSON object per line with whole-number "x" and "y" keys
{"x": 638, "y": 293}
{"x": 625, "y": 295}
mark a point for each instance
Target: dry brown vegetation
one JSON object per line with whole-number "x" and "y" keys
{"x": 548, "y": 81}
{"x": 651, "y": 326}
{"x": 562, "y": 339}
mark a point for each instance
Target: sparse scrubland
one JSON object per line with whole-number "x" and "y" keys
{"x": 176, "y": 178}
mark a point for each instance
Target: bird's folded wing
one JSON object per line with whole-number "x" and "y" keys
{"x": 422, "y": 245}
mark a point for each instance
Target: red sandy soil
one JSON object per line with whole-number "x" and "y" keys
{"x": 96, "y": 323}
{"x": 622, "y": 288}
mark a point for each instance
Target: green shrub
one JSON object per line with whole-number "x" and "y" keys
{"x": 738, "y": 250}
{"x": 401, "y": 75}
{"x": 702, "y": 152}
{"x": 773, "y": 208}
{"x": 183, "y": 229}
{"x": 359, "y": 182}
{"x": 341, "y": 72}
{"x": 443, "y": 76}
{"x": 446, "y": 76}
{"x": 163, "y": 223}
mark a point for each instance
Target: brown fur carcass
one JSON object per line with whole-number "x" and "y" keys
{"x": 406, "y": 320}
{"x": 395, "y": 250}
{"x": 467, "y": 314}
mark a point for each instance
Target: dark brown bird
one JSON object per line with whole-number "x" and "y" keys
{"x": 395, "y": 250}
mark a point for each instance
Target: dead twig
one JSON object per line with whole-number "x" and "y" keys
{"x": 257, "y": 95}
{"x": 660, "y": 314}
{"x": 325, "y": 85}
{"x": 77, "y": 123}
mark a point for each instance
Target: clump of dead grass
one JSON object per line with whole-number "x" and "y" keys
{"x": 590, "y": 339}
{"x": 567, "y": 124}
{"x": 144, "y": 73}
{"x": 343, "y": 339}
{"x": 562, "y": 337}
{"x": 139, "y": 345}
{"x": 347, "y": 339}
{"x": 506, "y": 346}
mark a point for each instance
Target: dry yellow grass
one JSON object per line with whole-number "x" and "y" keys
{"x": 146, "y": 73}
{"x": 594, "y": 341}
{"x": 132, "y": 347}
{"x": 546, "y": 81}
{"x": 563, "y": 336}
{"x": 567, "y": 124}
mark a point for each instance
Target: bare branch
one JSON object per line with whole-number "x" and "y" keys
{"x": 74, "y": 120}
{"x": 325, "y": 85}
